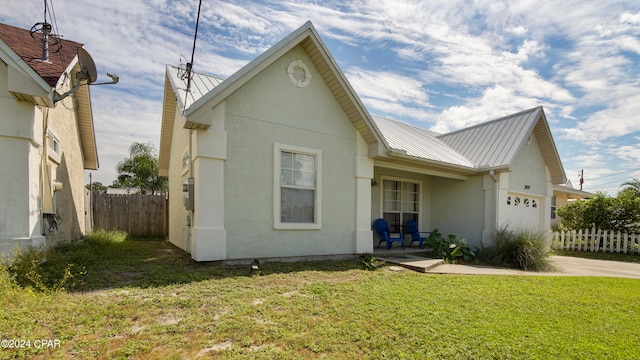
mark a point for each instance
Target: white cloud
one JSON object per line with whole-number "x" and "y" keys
{"x": 387, "y": 86}
{"x": 517, "y": 30}
{"x": 633, "y": 19}
{"x": 494, "y": 57}
{"x": 496, "y": 102}
{"x": 628, "y": 153}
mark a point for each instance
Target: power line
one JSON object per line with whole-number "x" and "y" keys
{"x": 614, "y": 174}
{"x": 619, "y": 181}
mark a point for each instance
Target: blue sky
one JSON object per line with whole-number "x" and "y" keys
{"x": 441, "y": 65}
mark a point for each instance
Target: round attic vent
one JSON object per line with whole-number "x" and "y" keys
{"x": 299, "y": 73}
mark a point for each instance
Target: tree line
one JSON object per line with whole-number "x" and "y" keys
{"x": 620, "y": 213}
{"x": 138, "y": 172}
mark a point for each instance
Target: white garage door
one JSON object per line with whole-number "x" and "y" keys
{"x": 524, "y": 212}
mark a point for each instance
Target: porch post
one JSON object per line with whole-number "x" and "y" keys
{"x": 363, "y": 236}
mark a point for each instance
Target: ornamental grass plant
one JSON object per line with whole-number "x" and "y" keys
{"x": 523, "y": 249}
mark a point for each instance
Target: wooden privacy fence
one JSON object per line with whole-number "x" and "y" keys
{"x": 137, "y": 214}
{"x": 596, "y": 240}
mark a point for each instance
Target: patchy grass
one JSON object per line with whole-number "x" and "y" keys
{"x": 147, "y": 299}
{"x": 634, "y": 258}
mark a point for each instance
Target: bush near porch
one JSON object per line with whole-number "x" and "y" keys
{"x": 147, "y": 299}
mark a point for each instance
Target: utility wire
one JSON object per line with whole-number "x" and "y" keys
{"x": 614, "y": 174}
{"x": 193, "y": 51}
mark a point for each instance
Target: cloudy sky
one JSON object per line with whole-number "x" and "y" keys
{"x": 441, "y": 65}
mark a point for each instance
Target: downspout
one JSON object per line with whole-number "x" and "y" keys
{"x": 492, "y": 175}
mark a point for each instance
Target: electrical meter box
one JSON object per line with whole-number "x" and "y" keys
{"x": 188, "y": 191}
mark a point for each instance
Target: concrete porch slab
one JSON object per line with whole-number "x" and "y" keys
{"x": 413, "y": 262}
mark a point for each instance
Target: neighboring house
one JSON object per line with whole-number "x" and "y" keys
{"x": 283, "y": 160}
{"x": 44, "y": 146}
{"x": 562, "y": 195}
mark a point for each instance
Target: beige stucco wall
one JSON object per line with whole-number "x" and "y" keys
{"x": 178, "y": 229}
{"x": 270, "y": 109}
{"x": 69, "y": 170}
{"x": 562, "y": 199}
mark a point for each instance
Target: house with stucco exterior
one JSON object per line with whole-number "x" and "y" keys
{"x": 282, "y": 160}
{"x": 564, "y": 195}
{"x": 45, "y": 144}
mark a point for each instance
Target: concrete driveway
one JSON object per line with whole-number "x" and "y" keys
{"x": 567, "y": 266}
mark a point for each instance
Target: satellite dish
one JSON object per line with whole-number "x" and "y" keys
{"x": 88, "y": 69}
{"x": 87, "y": 72}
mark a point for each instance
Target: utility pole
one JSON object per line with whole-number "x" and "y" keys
{"x": 581, "y": 178}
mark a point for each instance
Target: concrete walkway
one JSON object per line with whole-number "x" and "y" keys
{"x": 566, "y": 266}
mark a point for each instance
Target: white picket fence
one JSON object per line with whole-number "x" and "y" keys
{"x": 596, "y": 240}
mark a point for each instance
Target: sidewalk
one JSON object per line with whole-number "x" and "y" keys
{"x": 567, "y": 266}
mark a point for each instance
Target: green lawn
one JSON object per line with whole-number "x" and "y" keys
{"x": 146, "y": 299}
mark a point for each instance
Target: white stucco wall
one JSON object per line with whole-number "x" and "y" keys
{"x": 458, "y": 208}
{"x": 19, "y": 185}
{"x": 529, "y": 179}
{"x": 23, "y": 154}
{"x": 426, "y": 200}
{"x": 271, "y": 109}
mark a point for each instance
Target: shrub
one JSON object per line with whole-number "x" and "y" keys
{"x": 449, "y": 249}
{"x": 40, "y": 269}
{"x": 525, "y": 249}
{"x": 620, "y": 213}
{"x": 371, "y": 262}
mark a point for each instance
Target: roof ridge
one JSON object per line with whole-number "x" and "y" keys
{"x": 436, "y": 134}
{"x": 199, "y": 73}
{"x": 484, "y": 123}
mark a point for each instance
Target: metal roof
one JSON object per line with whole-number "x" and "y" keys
{"x": 201, "y": 84}
{"x": 494, "y": 143}
{"x": 490, "y": 145}
{"x": 418, "y": 142}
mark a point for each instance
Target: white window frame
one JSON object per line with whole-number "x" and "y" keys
{"x": 53, "y": 147}
{"x": 412, "y": 181}
{"x": 317, "y": 208}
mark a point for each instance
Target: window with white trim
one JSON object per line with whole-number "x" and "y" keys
{"x": 297, "y": 187}
{"x": 53, "y": 145}
{"x": 400, "y": 202}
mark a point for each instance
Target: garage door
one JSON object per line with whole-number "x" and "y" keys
{"x": 524, "y": 212}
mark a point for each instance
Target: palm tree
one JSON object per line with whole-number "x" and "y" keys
{"x": 140, "y": 169}
{"x": 633, "y": 185}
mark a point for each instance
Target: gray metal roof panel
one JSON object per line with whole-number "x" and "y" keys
{"x": 494, "y": 143}
{"x": 418, "y": 142}
{"x": 201, "y": 84}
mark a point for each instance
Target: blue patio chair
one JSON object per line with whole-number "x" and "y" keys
{"x": 416, "y": 235}
{"x": 382, "y": 227}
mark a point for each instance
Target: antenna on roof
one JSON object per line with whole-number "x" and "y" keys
{"x": 87, "y": 72}
{"x": 42, "y": 32}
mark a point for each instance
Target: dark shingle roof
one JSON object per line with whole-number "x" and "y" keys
{"x": 30, "y": 50}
